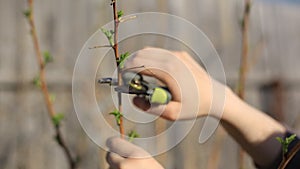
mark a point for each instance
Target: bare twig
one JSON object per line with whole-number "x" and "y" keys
{"x": 214, "y": 159}
{"x": 255, "y": 55}
{"x": 138, "y": 67}
{"x": 51, "y": 112}
{"x": 127, "y": 19}
{"x": 243, "y": 64}
{"x": 117, "y": 56}
{"x": 245, "y": 48}
{"x": 101, "y": 46}
{"x": 116, "y": 28}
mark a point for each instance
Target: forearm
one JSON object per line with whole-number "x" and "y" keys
{"x": 252, "y": 129}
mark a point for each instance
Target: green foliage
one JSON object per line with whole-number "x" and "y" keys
{"x": 47, "y": 57}
{"x": 122, "y": 58}
{"x": 27, "y": 13}
{"x": 52, "y": 97}
{"x": 132, "y": 135}
{"x": 56, "y": 119}
{"x": 248, "y": 7}
{"x": 109, "y": 35}
{"x": 117, "y": 115}
{"x": 286, "y": 142}
{"x": 241, "y": 23}
{"x": 77, "y": 159}
{"x": 120, "y": 14}
{"x": 37, "y": 81}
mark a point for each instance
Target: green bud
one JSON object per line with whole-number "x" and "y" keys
{"x": 27, "y": 13}
{"x": 286, "y": 142}
{"x": 132, "y": 135}
{"x": 120, "y": 14}
{"x": 122, "y": 59}
{"x": 118, "y": 115}
{"x": 37, "y": 81}
{"x": 47, "y": 57}
{"x": 280, "y": 140}
{"x": 52, "y": 97}
{"x": 56, "y": 119}
{"x": 109, "y": 35}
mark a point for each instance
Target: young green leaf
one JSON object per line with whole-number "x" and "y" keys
{"x": 117, "y": 115}
{"x": 27, "y": 13}
{"x": 37, "y": 81}
{"x": 280, "y": 140}
{"x": 122, "y": 59}
{"x": 52, "y": 97}
{"x": 56, "y": 119}
{"x": 109, "y": 35}
{"x": 290, "y": 139}
{"x": 132, "y": 135}
{"x": 47, "y": 57}
{"x": 286, "y": 142}
{"x": 120, "y": 14}
{"x": 242, "y": 22}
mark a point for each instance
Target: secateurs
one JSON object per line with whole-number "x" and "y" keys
{"x": 133, "y": 83}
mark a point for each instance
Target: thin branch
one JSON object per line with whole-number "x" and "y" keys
{"x": 126, "y": 19}
{"x": 116, "y": 29}
{"x": 131, "y": 68}
{"x": 138, "y": 67}
{"x": 116, "y": 51}
{"x": 289, "y": 157}
{"x": 256, "y": 54}
{"x": 244, "y": 64}
{"x": 60, "y": 140}
{"x": 214, "y": 160}
{"x": 44, "y": 88}
{"x": 245, "y": 49}
{"x": 100, "y": 46}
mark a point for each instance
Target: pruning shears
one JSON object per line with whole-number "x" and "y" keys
{"x": 134, "y": 83}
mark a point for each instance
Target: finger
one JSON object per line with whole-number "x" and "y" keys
{"x": 125, "y": 148}
{"x": 158, "y": 54}
{"x": 170, "y": 111}
{"x": 141, "y": 103}
{"x": 164, "y": 77}
{"x": 150, "y": 61}
{"x": 148, "y": 70}
{"x": 114, "y": 160}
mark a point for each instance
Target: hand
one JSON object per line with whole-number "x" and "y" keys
{"x": 189, "y": 84}
{"x": 124, "y": 155}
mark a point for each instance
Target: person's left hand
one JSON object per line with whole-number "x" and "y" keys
{"x": 124, "y": 155}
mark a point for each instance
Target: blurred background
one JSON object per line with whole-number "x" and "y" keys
{"x": 27, "y": 135}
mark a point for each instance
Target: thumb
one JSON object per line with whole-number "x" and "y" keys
{"x": 125, "y": 149}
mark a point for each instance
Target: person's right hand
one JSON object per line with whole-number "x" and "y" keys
{"x": 188, "y": 82}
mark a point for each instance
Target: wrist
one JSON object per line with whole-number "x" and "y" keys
{"x": 247, "y": 121}
{"x": 221, "y": 100}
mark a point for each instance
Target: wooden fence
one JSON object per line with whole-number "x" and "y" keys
{"x": 63, "y": 27}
